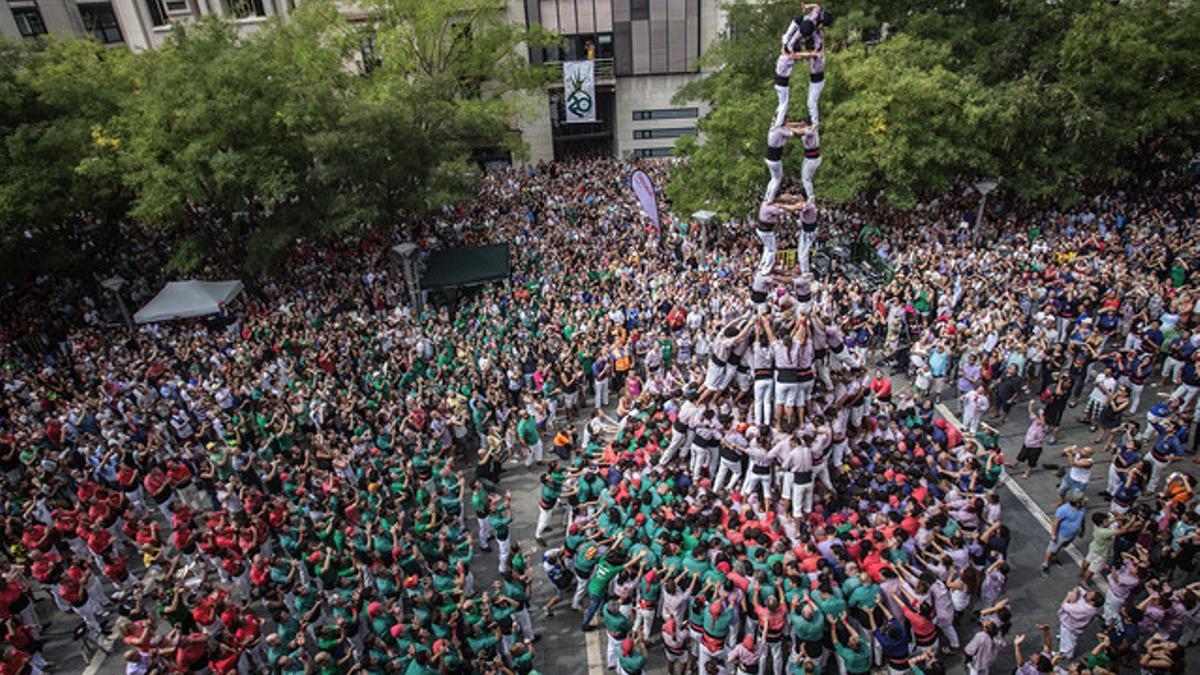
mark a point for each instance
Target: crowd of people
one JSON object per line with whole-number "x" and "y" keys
{"x": 310, "y": 481}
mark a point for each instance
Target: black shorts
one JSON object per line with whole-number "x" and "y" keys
{"x": 1029, "y": 455}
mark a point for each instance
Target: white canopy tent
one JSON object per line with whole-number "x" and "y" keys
{"x": 186, "y": 299}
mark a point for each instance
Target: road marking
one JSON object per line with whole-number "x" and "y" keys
{"x": 93, "y": 666}
{"x": 595, "y": 654}
{"x": 1031, "y": 506}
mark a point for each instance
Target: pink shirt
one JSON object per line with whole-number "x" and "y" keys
{"x": 1075, "y": 616}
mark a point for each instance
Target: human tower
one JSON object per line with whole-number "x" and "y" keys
{"x": 804, "y": 40}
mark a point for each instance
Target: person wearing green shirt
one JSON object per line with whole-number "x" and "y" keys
{"x": 854, "y": 652}
{"x": 612, "y": 563}
{"x": 501, "y": 521}
{"x": 531, "y": 441}
{"x": 481, "y": 502}
{"x": 584, "y": 562}
{"x": 633, "y": 657}
{"x": 1100, "y": 550}
{"x": 617, "y": 625}
{"x": 552, "y": 483}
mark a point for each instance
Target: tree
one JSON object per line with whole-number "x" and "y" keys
{"x": 206, "y": 136}
{"x": 1048, "y": 95}
{"x": 443, "y": 83}
{"x": 54, "y": 102}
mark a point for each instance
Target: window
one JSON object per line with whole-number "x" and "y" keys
{"x": 160, "y": 9}
{"x": 29, "y": 21}
{"x": 243, "y": 9}
{"x": 370, "y": 59}
{"x": 157, "y": 16}
{"x": 639, "y": 10}
{"x": 641, "y": 153}
{"x": 666, "y": 114}
{"x": 575, "y": 47}
{"x": 99, "y": 20}
{"x": 664, "y": 133}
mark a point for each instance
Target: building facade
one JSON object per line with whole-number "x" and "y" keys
{"x": 644, "y": 51}
{"x": 135, "y": 24}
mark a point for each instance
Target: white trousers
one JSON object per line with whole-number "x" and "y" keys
{"x": 524, "y": 624}
{"x": 814, "y": 97}
{"x": 699, "y": 462}
{"x": 775, "y": 166}
{"x": 730, "y": 470}
{"x": 534, "y": 454}
{"x": 1157, "y": 469}
{"x": 821, "y": 473}
{"x": 543, "y": 520}
{"x": 677, "y": 439}
{"x": 802, "y": 498}
{"x": 601, "y": 390}
{"x": 770, "y": 246}
{"x": 1066, "y": 642}
{"x": 774, "y": 652}
{"x": 804, "y": 248}
{"x": 783, "y": 94}
{"x": 485, "y": 531}
{"x": 1185, "y": 393}
{"x": 503, "y": 545}
{"x": 763, "y": 388}
{"x": 643, "y": 621}
{"x": 757, "y": 481}
{"x": 613, "y": 652}
{"x": 807, "y": 171}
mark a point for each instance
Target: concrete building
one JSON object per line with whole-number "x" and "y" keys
{"x": 136, "y": 24}
{"x": 644, "y": 51}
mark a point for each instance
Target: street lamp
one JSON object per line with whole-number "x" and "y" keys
{"x": 404, "y": 254}
{"x": 115, "y": 284}
{"x": 984, "y": 187}
{"x": 703, "y": 218}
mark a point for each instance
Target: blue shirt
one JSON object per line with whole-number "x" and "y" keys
{"x": 1166, "y": 447}
{"x": 938, "y": 362}
{"x": 1070, "y": 521}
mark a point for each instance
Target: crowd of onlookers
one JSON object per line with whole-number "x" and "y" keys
{"x": 309, "y": 481}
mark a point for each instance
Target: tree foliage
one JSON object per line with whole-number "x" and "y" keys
{"x": 53, "y": 104}
{"x": 1046, "y": 95}
{"x": 234, "y": 146}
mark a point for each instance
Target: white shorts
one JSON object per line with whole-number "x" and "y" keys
{"x": 787, "y": 393}
{"x": 714, "y": 377}
{"x": 676, "y": 658}
{"x": 1097, "y": 564}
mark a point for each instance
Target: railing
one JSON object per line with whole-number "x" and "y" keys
{"x": 603, "y": 68}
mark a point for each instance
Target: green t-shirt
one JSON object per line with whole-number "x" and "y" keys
{"x": 615, "y": 622}
{"x": 527, "y": 429}
{"x": 633, "y": 664}
{"x": 605, "y": 571}
{"x": 856, "y": 660}
{"x": 1102, "y": 542}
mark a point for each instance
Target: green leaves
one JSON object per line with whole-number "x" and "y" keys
{"x": 1047, "y": 95}
{"x": 225, "y": 142}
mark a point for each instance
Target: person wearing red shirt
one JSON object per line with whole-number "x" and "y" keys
{"x": 38, "y": 537}
{"x": 73, "y": 592}
{"x": 15, "y": 601}
{"x": 45, "y": 567}
{"x": 773, "y": 615}
{"x": 881, "y": 387}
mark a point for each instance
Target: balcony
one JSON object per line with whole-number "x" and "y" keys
{"x": 603, "y": 68}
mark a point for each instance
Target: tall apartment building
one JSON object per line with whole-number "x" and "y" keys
{"x": 644, "y": 51}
